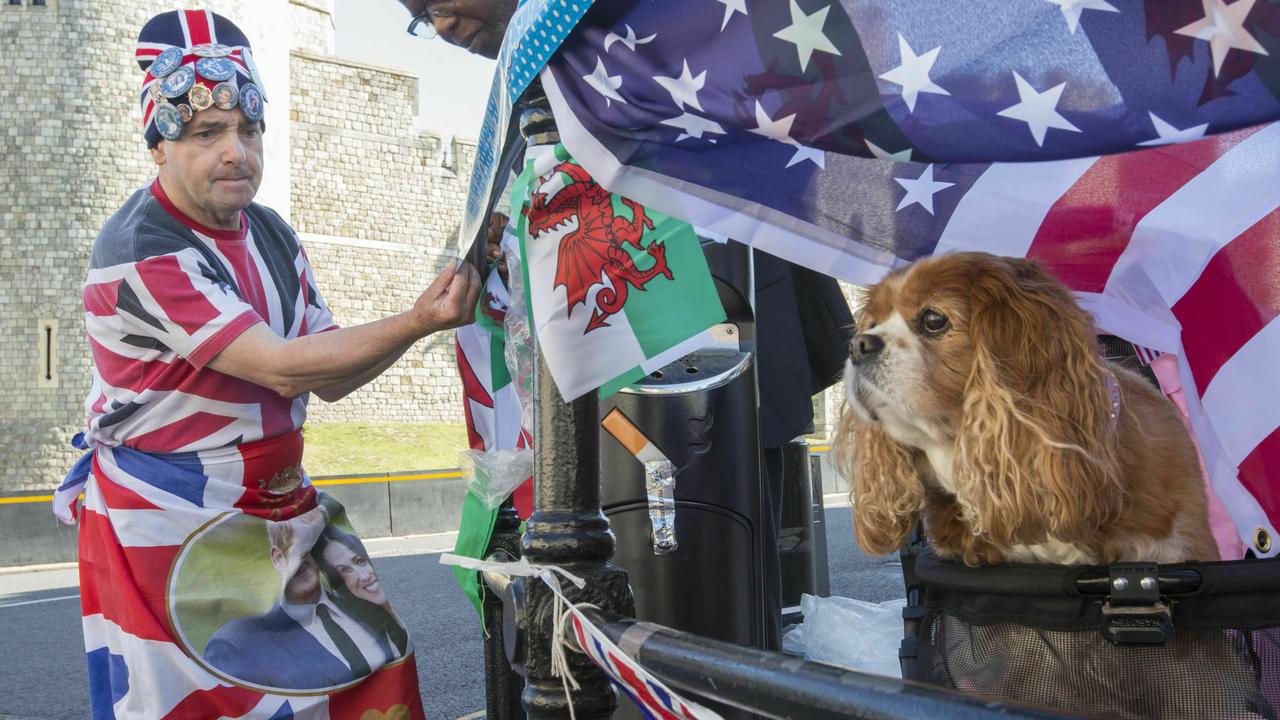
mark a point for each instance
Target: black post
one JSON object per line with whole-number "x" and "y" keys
{"x": 502, "y": 685}
{"x": 567, "y": 527}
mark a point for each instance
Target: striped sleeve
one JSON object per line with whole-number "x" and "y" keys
{"x": 178, "y": 300}
{"x": 318, "y": 317}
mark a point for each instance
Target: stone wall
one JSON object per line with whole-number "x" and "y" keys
{"x": 378, "y": 212}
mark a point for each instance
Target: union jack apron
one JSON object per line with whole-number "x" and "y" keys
{"x": 222, "y": 584}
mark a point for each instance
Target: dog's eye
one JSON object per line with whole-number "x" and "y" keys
{"x": 933, "y": 322}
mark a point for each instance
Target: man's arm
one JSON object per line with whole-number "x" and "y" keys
{"x": 336, "y": 362}
{"x": 334, "y": 393}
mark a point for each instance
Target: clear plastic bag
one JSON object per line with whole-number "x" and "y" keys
{"x": 493, "y": 475}
{"x": 521, "y": 346}
{"x": 851, "y": 633}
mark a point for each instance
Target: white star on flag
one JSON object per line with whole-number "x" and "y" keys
{"x": 1073, "y": 9}
{"x": 921, "y": 190}
{"x": 684, "y": 89}
{"x": 879, "y": 152}
{"x": 780, "y": 130}
{"x": 604, "y": 83}
{"x": 1038, "y": 109}
{"x": 805, "y": 32}
{"x": 812, "y": 154}
{"x": 1223, "y": 27}
{"x": 913, "y": 73}
{"x": 629, "y": 39}
{"x": 694, "y": 126}
{"x": 731, "y": 7}
{"x": 1169, "y": 134}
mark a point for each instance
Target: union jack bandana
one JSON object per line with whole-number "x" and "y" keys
{"x": 193, "y": 60}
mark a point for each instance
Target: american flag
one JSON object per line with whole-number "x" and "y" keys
{"x": 779, "y": 124}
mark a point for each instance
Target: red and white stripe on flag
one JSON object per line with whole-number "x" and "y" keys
{"x": 657, "y": 700}
{"x": 1176, "y": 249}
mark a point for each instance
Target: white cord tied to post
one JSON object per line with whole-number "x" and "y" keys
{"x": 561, "y": 610}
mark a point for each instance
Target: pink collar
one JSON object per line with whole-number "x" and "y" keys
{"x": 1113, "y": 391}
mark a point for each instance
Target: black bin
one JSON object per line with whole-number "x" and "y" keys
{"x": 700, "y": 412}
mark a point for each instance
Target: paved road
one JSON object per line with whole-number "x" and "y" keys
{"x": 42, "y": 674}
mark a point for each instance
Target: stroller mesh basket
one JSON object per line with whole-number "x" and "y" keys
{"x": 1132, "y": 640}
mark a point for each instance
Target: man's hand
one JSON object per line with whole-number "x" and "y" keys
{"x": 450, "y": 300}
{"x": 493, "y": 243}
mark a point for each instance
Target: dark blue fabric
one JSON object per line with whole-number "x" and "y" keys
{"x": 274, "y": 650}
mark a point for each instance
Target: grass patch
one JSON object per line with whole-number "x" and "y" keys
{"x": 359, "y": 448}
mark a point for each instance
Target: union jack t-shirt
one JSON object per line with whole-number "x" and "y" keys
{"x": 164, "y": 295}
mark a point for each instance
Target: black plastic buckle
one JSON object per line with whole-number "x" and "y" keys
{"x": 1134, "y": 613}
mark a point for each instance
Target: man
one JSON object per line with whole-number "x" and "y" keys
{"x": 208, "y": 335}
{"x": 474, "y": 25}
{"x": 305, "y": 641}
{"x": 802, "y": 319}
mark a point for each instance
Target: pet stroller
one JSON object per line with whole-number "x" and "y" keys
{"x": 1131, "y": 640}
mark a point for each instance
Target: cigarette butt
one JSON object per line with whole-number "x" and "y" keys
{"x": 622, "y": 430}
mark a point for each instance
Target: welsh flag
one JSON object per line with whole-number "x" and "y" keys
{"x": 616, "y": 291}
{"x": 492, "y": 410}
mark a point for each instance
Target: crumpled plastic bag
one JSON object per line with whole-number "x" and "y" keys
{"x": 851, "y": 633}
{"x": 493, "y": 475}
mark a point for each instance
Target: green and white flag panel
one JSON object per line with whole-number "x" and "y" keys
{"x": 642, "y": 295}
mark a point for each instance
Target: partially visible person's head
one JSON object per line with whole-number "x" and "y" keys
{"x": 290, "y": 543}
{"x": 202, "y": 113}
{"x": 346, "y": 565}
{"x": 474, "y": 25}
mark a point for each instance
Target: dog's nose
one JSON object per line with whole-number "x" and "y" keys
{"x": 865, "y": 347}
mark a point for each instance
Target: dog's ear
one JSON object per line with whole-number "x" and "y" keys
{"x": 1036, "y": 450}
{"x": 885, "y": 490}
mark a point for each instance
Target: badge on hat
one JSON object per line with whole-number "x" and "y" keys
{"x": 166, "y": 62}
{"x": 226, "y": 95}
{"x": 216, "y": 69}
{"x": 211, "y": 50}
{"x": 201, "y": 97}
{"x": 169, "y": 121}
{"x": 251, "y": 102}
{"x": 254, "y": 77}
{"x": 178, "y": 82}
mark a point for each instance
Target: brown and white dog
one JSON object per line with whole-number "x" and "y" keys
{"x": 976, "y": 401}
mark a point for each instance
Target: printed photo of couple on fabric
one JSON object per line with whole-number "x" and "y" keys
{"x": 300, "y": 607}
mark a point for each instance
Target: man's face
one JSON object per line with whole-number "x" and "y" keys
{"x": 476, "y": 25}
{"x": 304, "y": 587}
{"x": 213, "y": 170}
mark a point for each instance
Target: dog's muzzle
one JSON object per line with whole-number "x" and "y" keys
{"x": 864, "y": 348}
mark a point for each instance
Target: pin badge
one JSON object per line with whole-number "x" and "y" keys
{"x": 186, "y": 112}
{"x": 254, "y": 76}
{"x": 251, "y": 102}
{"x": 226, "y": 95}
{"x": 178, "y": 82}
{"x": 201, "y": 97}
{"x": 166, "y": 62}
{"x": 168, "y": 121}
{"x": 216, "y": 68}
{"x": 210, "y": 50}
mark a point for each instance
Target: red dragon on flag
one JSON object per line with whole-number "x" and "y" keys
{"x": 594, "y": 248}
